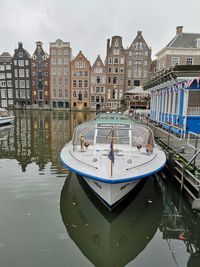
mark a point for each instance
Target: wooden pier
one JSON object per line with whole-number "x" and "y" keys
{"x": 183, "y": 166}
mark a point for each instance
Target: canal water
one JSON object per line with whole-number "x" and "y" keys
{"x": 49, "y": 217}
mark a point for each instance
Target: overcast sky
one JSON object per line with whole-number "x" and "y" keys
{"x": 87, "y": 24}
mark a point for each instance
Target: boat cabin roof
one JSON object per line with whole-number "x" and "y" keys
{"x": 102, "y": 131}
{"x": 113, "y": 117}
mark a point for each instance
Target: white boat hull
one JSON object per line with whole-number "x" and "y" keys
{"x": 6, "y": 120}
{"x": 111, "y": 193}
{"x": 112, "y": 188}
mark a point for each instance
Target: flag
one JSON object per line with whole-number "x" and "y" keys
{"x": 198, "y": 78}
{"x": 189, "y": 83}
{"x": 111, "y": 155}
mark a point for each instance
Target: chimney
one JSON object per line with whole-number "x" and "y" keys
{"x": 179, "y": 30}
{"x": 108, "y": 43}
{"x": 139, "y": 32}
{"x": 20, "y": 44}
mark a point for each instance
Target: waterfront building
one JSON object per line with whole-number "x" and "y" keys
{"x": 175, "y": 99}
{"x": 183, "y": 49}
{"x": 98, "y": 85}
{"x": 137, "y": 98}
{"x": 115, "y": 73}
{"x": 21, "y": 63}
{"x": 40, "y": 78}
{"x": 80, "y": 83}
{"x": 138, "y": 60}
{"x": 60, "y": 57}
{"x": 6, "y": 81}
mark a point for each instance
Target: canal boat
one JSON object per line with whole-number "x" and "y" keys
{"x": 5, "y": 117}
{"x": 112, "y": 154}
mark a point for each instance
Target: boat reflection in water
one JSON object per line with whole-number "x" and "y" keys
{"x": 110, "y": 238}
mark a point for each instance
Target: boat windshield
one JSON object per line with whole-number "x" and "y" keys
{"x": 128, "y": 134}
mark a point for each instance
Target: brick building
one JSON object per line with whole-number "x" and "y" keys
{"x": 40, "y": 77}
{"x": 60, "y": 57}
{"x": 80, "y": 82}
{"x": 22, "y": 77}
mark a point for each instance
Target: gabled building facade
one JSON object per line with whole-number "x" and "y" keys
{"x": 6, "y": 81}
{"x": 40, "y": 78}
{"x": 138, "y": 60}
{"x": 98, "y": 85}
{"x": 115, "y": 73}
{"x": 60, "y": 57}
{"x": 22, "y": 77}
{"x": 80, "y": 83}
{"x": 183, "y": 49}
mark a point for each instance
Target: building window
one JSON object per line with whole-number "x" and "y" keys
{"x": 8, "y": 75}
{"x": 27, "y": 72}
{"x": 8, "y": 67}
{"x": 21, "y": 84}
{"x": 60, "y": 52}
{"x": 136, "y": 83}
{"x": 60, "y": 81}
{"x": 74, "y": 83}
{"x": 27, "y": 84}
{"x": 74, "y": 93}
{"x": 54, "y": 70}
{"x": 59, "y": 61}
{"x": 65, "y": 52}
{"x": 2, "y": 76}
{"x": 21, "y": 73}
{"x": 109, "y": 60}
{"x": 198, "y": 42}
{"x": 66, "y": 92}
{"x": 65, "y": 70}
{"x": 189, "y": 60}
{"x": 116, "y": 51}
{"x": 53, "y": 52}
{"x": 80, "y": 64}
{"x": 98, "y": 79}
{"x": 9, "y": 83}
{"x": 66, "y": 82}
{"x": 21, "y": 62}
{"x": 85, "y": 94}
{"x": 80, "y": 83}
{"x": 138, "y": 45}
{"x": 86, "y": 83}
{"x": 10, "y": 93}
{"x": 175, "y": 61}
{"x": 116, "y": 60}
{"x": 53, "y": 61}
{"x": 113, "y": 94}
{"x": 114, "y": 80}
{"x": 20, "y": 54}
{"x": 3, "y": 93}
{"x": 54, "y": 92}
{"x": 80, "y": 96}
{"x": 65, "y": 61}
{"x": 92, "y": 99}
{"x": 60, "y": 92}
{"x": 129, "y": 82}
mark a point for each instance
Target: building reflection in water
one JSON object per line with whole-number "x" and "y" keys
{"x": 38, "y": 136}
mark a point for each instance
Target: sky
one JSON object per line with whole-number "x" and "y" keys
{"x": 87, "y": 24}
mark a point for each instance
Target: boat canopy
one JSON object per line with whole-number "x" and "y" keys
{"x": 93, "y": 133}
